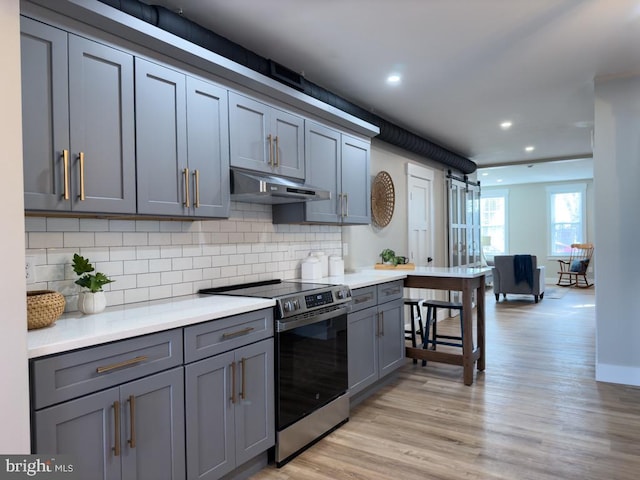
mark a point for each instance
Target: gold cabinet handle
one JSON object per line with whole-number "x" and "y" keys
{"x": 196, "y": 175}
{"x": 244, "y": 331}
{"x": 346, "y": 201}
{"x": 116, "y": 421}
{"x": 132, "y": 416}
{"x": 81, "y": 196}
{"x": 277, "y": 164}
{"x": 124, "y": 363}
{"x": 340, "y": 195}
{"x": 65, "y": 165}
{"x": 185, "y": 174}
{"x": 382, "y": 324}
{"x": 270, "y": 139}
{"x": 233, "y": 382}
{"x": 243, "y": 364}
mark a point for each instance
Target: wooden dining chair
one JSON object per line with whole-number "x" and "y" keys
{"x": 573, "y": 272}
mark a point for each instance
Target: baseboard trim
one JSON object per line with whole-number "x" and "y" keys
{"x": 618, "y": 374}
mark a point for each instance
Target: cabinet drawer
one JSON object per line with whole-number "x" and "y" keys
{"x": 70, "y": 375}
{"x": 390, "y": 291}
{"x": 217, "y": 336}
{"x": 363, "y": 298}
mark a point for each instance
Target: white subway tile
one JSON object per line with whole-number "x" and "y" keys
{"x": 147, "y": 252}
{"x": 251, "y": 258}
{"x": 192, "y": 275}
{"x": 183, "y": 263}
{"x": 210, "y": 273}
{"x": 59, "y": 256}
{"x": 168, "y": 226}
{"x": 122, "y": 253}
{"x": 171, "y": 277}
{"x": 220, "y": 238}
{"x": 160, "y": 265}
{"x": 135, "y": 239}
{"x": 35, "y": 224}
{"x": 46, "y": 240}
{"x": 228, "y": 249}
{"x": 159, "y": 239}
{"x": 244, "y": 248}
{"x": 63, "y": 224}
{"x": 220, "y": 260}
{"x": 49, "y": 273}
{"x": 113, "y": 298}
{"x": 136, "y": 266}
{"x": 181, "y": 238}
{"x": 264, "y": 257}
{"x": 122, "y": 225}
{"x": 170, "y": 251}
{"x": 109, "y": 268}
{"x": 180, "y": 289}
{"x": 136, "y": 295}
{"x": 201, "y": 284}
{"x": 258, "y": 268}
{"x": 94, "y": 225}
{"x": 231, "y": 271}
{"x": 202, "y": 262}
{"x": 191, "y": 250}
{"x": 211, "y": 249}
{"x": 227, "y": 226}
{"x": 123, "y": 282}
{"x": 244, "y": 269}
{"x": 78, "y": 239}
{"x": 94, "y": 254}
{"x": 201, "y": 238}
{"x": 243, "y": 226}
{"x": 148, "y": 279}
{"x": 236, "y": 259}
{"x": 147, "y": 226}
{"x": 108, "y": 239}
{"x": 65, "y": 287}
{"x": 210, "y": 226}
{"x": 160, "y": 291}
{"x": 237, "y": 237}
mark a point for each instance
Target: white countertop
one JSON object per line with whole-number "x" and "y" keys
{"x": 75, "y": 330}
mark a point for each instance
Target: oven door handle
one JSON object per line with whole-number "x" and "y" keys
{"x": 310, "y": 319}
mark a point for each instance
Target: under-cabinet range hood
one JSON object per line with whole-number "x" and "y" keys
{"x": 262, "y": 188}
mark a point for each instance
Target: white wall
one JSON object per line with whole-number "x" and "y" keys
{"x": 14, "y": 401}
{"x": 365, "y": 242}
{"x": 528, "y": 221}
{"x": 617, "y": 173}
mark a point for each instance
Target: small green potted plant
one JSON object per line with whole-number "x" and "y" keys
{"x": 91, "y": 300}
{"x": 388, "y": 256}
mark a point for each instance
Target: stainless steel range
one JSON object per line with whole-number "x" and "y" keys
{"x": 311, "y": 359}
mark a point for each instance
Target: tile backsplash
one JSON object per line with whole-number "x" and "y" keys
{"x": 153, "y": 259}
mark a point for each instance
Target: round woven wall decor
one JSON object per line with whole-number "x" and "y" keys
{"x": 383, "y": 199}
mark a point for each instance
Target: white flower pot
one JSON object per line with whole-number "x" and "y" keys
{"x": 89, "y": 302}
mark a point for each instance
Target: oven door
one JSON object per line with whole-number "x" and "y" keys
{"x": 311, "y": 364}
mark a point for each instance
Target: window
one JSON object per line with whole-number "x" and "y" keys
{"x": 566, "y": 217}
{"x": 493, "y": 219}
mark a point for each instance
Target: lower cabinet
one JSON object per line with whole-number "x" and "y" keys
{"x": 375, "y": 334}
{"x": 134, "y": 431}
{"x": 230, "y": 409}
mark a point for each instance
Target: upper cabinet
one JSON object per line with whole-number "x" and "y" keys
{"x": 182, "y": 144}
{"x": 338, "y": 163}
{"x": 264, "y": 138}
{"x": 77, "y": 123}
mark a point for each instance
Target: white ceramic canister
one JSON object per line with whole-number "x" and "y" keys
{"x": 324, "y": 261}
{"x": 311, "y": 268}
{"x": 336, "y": 265}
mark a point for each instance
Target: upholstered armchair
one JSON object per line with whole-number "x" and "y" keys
{"x": 518, "y": 274}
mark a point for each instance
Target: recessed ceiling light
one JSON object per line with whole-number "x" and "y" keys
{"x": 393, "y": 79}
{"x": 499, "y": 180}
{"x": 530, "y": 148}
{"x": 506, "y": 125}
{"x": 484, "y": 174}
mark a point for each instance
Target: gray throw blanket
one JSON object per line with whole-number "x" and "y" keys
{"x": 523, "y": 269}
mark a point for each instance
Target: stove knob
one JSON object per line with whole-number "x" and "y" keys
{"x": 288, "y": 306}
{"x": 296, "y": 305}
{"x": 342, "y": 294}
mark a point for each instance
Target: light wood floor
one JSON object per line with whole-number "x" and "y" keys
{"x": 535, "y": 413}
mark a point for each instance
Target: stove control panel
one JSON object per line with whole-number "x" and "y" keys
{"x": 312, "y": 300}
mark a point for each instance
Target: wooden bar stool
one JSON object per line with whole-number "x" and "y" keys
{"x": 415, "y": 307}
{"x": 432, "y": 317}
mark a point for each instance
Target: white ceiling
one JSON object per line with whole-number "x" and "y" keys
{"x": 466, "y": 65}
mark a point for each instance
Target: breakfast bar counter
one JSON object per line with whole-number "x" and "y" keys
{"x": 466, "y": 280}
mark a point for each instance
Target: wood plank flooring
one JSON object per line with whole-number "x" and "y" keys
{"x": 535, "y": 413}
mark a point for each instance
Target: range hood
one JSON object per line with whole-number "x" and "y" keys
{"x": 262, "y": 188}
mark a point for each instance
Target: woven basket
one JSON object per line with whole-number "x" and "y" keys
{"x": 43, "y": 308}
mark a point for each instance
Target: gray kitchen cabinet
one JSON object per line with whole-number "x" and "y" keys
{"x": 265, "y": 138}
{"x": 117, "y": 409}
{"x": 375, "y": 334}
{"x": 230, "y": 409}
{"x": 181, "y": 144}
{"x": 229, "y": 395}
{"x": 338, "y": 163}
{"x": 78, "y": 123}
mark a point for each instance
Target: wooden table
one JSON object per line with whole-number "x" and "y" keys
{"x": 466, "y": 280}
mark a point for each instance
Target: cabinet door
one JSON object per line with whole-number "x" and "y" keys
{"x": 362, "y": 336}
{"x": 153, "y": 427}
{"x": 391, "y": 339}
{"x": 102, "y": 128}
{"x": 161, "y": 139}
{"x": 255, "y": 410}
{"x": 85, "y": 429}
{"x": 208, "y": 148}
{"x": 209, "y": 400}
{"x": 45, "y": 115}
{"x": 356, "y": 184}
{"x": 248, "y": 134}
{"x": 322, "y": 159}
{"x": 287, "y": 131}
